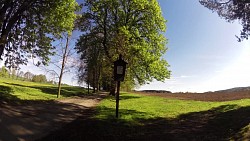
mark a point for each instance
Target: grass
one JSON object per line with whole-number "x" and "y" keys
{"x": 141, "y": 117}
{"x": 18, "y": 90}
{"x": 149, "y": 107}
{"x": 147, "y": 118}
{"x": 150, "y": 118}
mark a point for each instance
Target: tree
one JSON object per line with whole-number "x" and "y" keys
{"x": 53, "y": 77}
{"x": 20, "y": 74}
{"x": 13, "y": 73}
{"x": 232, "y": 10}
{"x": 91, "y": 55}
{"x": 62, "y": 61}
{"x": 4, "y": 72}
{"x": 39, "y": 78}
{"x": 131, "y": 28}
{"x": 28, "y": 75}
{"x": 27, "y": 28}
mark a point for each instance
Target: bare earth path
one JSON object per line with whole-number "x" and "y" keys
{"x": 34, "y": 120}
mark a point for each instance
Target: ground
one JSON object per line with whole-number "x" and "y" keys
{"x": 72, "y": 119}
{"x": 31, "y": 121}
{"x": 208, "y": 96}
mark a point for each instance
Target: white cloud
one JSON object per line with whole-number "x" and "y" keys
{"x": 174, "y": 84}
{"x": 187, "y": 76}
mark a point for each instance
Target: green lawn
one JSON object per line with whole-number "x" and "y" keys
{"x": 135, "y": 106}
{"x": 150, "y": 117}
{"x": 141, "y": 117}
{"x": 18, "y": 90}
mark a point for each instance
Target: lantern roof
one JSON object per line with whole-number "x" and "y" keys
{"x": 120, "y": 61}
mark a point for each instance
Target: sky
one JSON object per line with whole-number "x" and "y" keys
{"x": 203, "y": 52}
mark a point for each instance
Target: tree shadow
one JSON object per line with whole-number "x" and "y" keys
{"x": 33, "y": 121}
{"x": 125, "y": 97}
{"x": 220, "y": 123}
{"x": 6, "y": 94}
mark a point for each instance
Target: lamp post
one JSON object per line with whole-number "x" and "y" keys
{"x": 119, "y": 74}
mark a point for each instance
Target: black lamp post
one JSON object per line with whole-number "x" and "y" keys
{"x": 119, "y": 74}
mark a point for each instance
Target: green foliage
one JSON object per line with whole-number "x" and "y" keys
{"x": 39, "y": 78}
{"x": 131, "y": 28}
{"x": 91, "y": 56}
{"x": 4, "y": 72}
{"x": 128, "y": 85}
{"x": 232, "y": 10}
{"x": 28, "y": 28}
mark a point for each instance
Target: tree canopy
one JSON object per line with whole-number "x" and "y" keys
{"x": 27, "y": 28}
{"x": 39, "y": 78}
{"x": 232, "y": 10}
{"x": 133, "y": 28}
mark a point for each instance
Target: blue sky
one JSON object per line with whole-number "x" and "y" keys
{"x": 203, "y": 52}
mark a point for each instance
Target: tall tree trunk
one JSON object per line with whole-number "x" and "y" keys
{"x": 112, "y": 88}
{"x": 88, "y": 86}
{"x": 99, "y": 86}
{"x": 2, "y": 45}
{"x": 94, "y": 81}
{"x": 1, "y": 50}
{"x": 63, "y": 65}
{"x": 98, "y": 72}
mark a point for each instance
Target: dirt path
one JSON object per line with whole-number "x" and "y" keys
{"x": 32, "y": 121}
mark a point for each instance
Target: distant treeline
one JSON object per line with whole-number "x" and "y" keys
{"x": 25, "y": 76}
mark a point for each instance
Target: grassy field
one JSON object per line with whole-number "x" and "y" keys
{"x": 155, "y": 117}
{"x": 135, "y": 106}
{"x": 148, "y": 118}
{"x": 17, "y": 91}
{"x": 141, "y": 117}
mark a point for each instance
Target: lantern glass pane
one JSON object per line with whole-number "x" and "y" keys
{"x": 119, "y": 70}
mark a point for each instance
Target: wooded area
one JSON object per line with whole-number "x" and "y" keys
{"x": 134, "y": 29}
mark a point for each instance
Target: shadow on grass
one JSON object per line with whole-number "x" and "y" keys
{"x": 124, "y": 97}
{"x": 221, "y": 123}
{"x": 53, "y": 90}
{"x": 6, "y": 96}
{"x": 5, "y": 93}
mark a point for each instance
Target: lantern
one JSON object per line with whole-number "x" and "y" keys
{"x": 119, "y": 69}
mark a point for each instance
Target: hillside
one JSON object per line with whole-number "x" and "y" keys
{"x": 236, "y": 89}
{"x": 17, "y": 90}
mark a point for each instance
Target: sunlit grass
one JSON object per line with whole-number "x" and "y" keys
{"x": 135, "y": 107}
{"x": 23, "y": 90}
{"x": 153, "y": 116}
